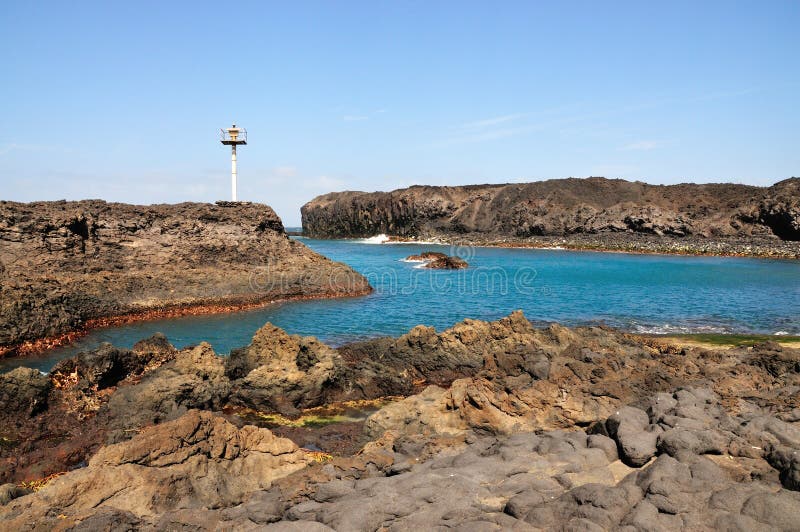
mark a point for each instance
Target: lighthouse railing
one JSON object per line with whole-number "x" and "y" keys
{"x": 224, "y": 136}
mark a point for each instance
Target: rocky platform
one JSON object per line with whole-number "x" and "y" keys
{"x": 490, "y": 426}
{"x": 69, "y": 266}
{"x": 594, "y": 213}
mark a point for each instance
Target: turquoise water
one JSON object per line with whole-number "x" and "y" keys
{"x": 639, "y": 293}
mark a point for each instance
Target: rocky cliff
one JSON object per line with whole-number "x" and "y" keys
{"x": 65, "y": 266}
{"x": 593, "y": 209}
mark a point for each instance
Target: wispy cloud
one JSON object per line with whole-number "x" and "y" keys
{"x": 641, "y": 145}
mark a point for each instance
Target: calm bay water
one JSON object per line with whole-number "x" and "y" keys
{"x": 639, "y": 293}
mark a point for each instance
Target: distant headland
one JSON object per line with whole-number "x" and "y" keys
{"x": 593, "y": 213}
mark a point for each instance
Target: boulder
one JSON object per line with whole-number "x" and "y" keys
{"x": 630, "y": 428}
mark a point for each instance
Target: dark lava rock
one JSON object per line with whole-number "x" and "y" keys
{"x": 427, "y": 255}
{"x": 787, "y": 461}
{"x": 595, "y": 213}
{"x": 630, "y": 427}
{"x": 9, "y": 492}
{"x": 106, "y": 366}
{"x": 194, "y": 379}
{"x": 23, "y": 391}
{"x": 447, "y": 263}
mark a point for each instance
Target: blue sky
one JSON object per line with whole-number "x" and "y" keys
{"x": 123, "y": 100}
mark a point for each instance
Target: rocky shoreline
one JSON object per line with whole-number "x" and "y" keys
{"x": 487, "y": 425}
{"x": 68, "y": 267}
{"x": 767, "y": 248}
{"x": 195, "y": 309}
{"x": 583, "y": 214}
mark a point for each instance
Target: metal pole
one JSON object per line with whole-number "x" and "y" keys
{"x": 233, "y": 171}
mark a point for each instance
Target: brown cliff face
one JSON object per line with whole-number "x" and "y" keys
{"x": 66, "y": 265}
{"x": 562, "y": 207}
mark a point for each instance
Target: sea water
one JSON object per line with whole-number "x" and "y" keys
{"x": 637, "y": 293}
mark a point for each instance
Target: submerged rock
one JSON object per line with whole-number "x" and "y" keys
{"x": 447, "y": 263}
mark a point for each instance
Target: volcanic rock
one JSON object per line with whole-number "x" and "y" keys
{"x": 282, "y": 372}
{"x": 594, "y": 213}
{"x": 447, "y": 263}
{"x": 198, "y": 460}
{"x": 194, "y": 379}
{"x": 503, "y": 426}
{"x": 426, "y": 256}
{"x": 68, "y": 265}
{"x": 23, "y": 391}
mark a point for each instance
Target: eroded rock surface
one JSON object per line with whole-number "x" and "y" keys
{"x": 594, "y": 213}
{"x": 502, "y": 426}
{"x": 196, "y": 461}
{"x": 66, "y": 264}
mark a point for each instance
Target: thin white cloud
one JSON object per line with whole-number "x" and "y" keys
{"x": 641, "y": 145}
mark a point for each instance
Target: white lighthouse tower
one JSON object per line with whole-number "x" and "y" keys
{"x": 233, "y": 136}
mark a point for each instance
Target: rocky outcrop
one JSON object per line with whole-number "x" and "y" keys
{"x": 502, "y": 426}
{"x": 590, "y": 213}
{"x": 426, "y": 256}
{"x": 282, "y": 372}
{"x": 66, "y": 266}
{"x": 194, "y": 379}
{"x": 447, "y": 263}
{"x": 438, "y": 261}
{"x": 198, "y": 460}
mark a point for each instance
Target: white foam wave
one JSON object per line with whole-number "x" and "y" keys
{"x": 377, "y": 239}
{"x": 420, "y": 242}
{"x": 780, "y": 333}
{"x": 668, "y": 328}
{"x": 386, "y": 239}
{"x": 413, "y": 260}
